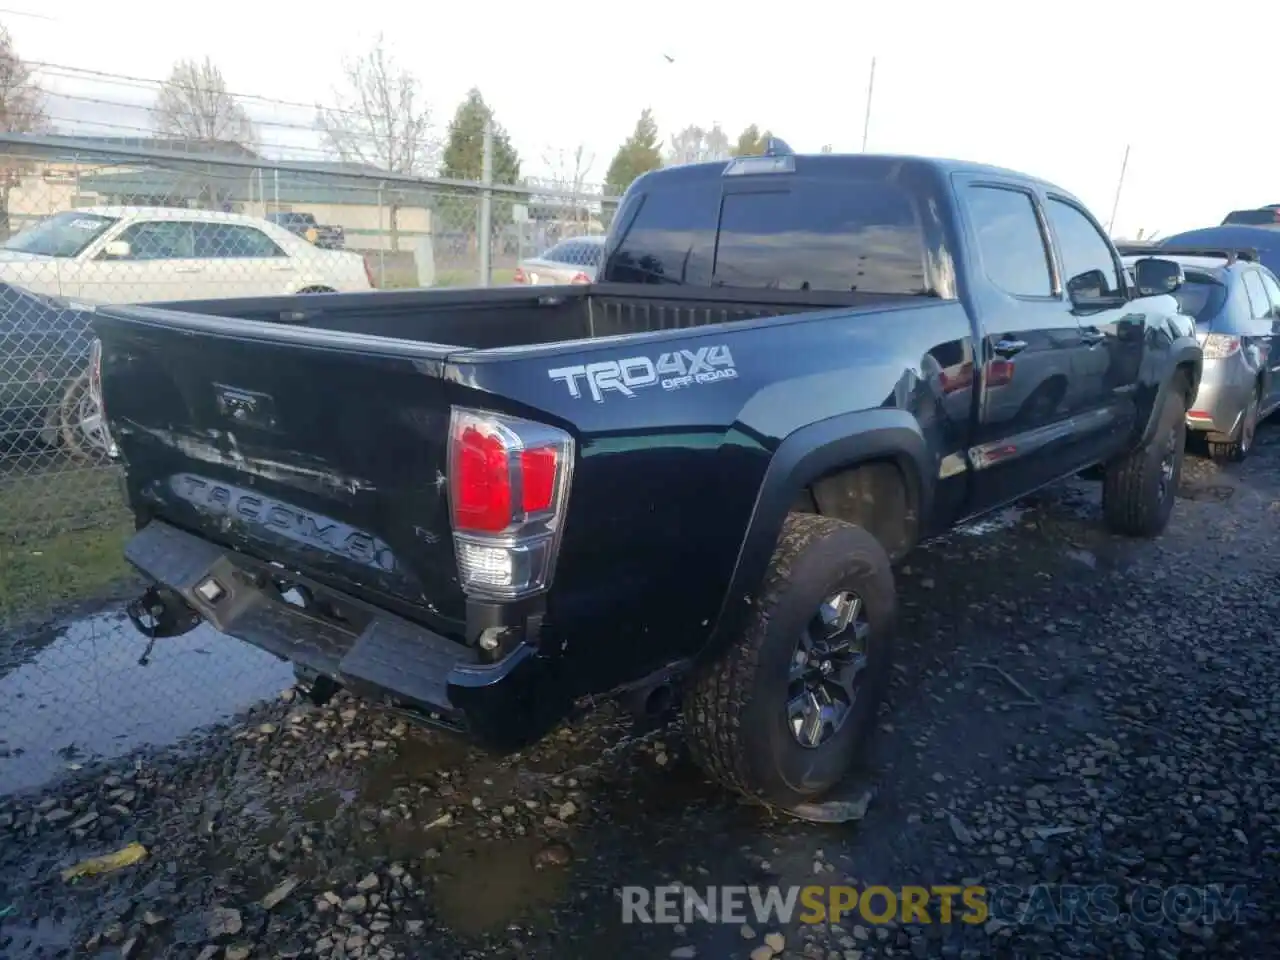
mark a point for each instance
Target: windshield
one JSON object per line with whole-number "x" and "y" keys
{"x": 61, "y": 235}
{"x": 1200, "y": 296}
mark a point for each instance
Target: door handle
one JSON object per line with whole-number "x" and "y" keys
{"x": 1092, "y": 336}
{"x": 1007, "y": 348}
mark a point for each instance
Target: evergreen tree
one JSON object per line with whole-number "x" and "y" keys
{"x": 464, "y": 152}
{"x": 638, "y": 154}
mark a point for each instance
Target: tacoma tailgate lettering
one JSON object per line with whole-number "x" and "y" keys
{"x": 301, "y": 526}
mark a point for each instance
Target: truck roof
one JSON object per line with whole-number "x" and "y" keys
{"x": 819, "y": 161}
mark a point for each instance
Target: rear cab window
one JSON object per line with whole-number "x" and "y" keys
{"x": 782, "y": 231}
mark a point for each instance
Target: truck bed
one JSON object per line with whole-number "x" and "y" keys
{"x": 505, "y": 317}
{"x": 313, "y": 430}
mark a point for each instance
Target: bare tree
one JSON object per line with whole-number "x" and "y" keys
{"x": 194, "y": 104}
{"x": 22, "y": 110}
{"x": 569, "y": 171}
{"x": 695, "y": 144}
{"x": 379, "y": 118}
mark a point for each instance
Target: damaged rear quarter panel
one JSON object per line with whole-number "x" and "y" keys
{"x": 667, "y": 475}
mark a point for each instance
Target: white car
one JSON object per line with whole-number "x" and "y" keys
{"x": 147, "y": 254}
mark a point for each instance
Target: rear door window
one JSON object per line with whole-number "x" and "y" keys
{"x": 1010, "y": 243}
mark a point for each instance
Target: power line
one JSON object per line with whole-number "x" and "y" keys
{"x": 147, "y": 133}
{"x": 273, "y": 124}
{"x": 146, "y": 83}
{"x": 33, "y": 16}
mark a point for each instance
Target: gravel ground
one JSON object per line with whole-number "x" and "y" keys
{"x": 1068, "y": 708}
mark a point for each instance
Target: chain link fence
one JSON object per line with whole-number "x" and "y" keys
{"x": 84, "y": 223}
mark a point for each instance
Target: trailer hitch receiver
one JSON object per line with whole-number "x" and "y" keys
{"x": 161, "y": 613}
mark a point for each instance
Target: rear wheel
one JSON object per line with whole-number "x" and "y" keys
{"x": 317, "y": 290}
{"x": 781, "y": 715}
{"x": 1238, "y": 447}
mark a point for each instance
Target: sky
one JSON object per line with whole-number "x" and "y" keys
{"x": 1032, "y": 87}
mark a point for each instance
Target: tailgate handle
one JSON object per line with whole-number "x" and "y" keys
{"x": 247, "y": 407}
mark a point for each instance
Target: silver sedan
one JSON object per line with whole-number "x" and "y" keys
{"x": 569, "y": 261}
{"x": 1236, "y": 305}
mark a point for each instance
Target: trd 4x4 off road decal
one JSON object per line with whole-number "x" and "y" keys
{"x": 671, "y": 371}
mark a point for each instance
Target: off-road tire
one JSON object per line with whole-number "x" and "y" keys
{"x": 1237, "y": 448}
{"x": 1132, "y": 502}
{"x": 735, "y": 707}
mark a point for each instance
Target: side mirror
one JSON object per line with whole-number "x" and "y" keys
{"x": 117, "y": 250}
{"x": 1087, "y": 287}
{"x": 1155, "y": 276}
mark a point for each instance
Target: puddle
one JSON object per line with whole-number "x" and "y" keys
{"x": 1216, "y": 492}
{"x": 1087, "y": 557}
{"x": 417, "y": 760}
{"x": 486, "y": 885}
{"x": 1000, "y": 520}
{"x": 80, "y": 695}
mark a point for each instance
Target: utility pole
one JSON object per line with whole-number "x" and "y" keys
{"x": 871, "y": 86}
{"x": 1111, "y": 225}
{"x": 486, "y": 205}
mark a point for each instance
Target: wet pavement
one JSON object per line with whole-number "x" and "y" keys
{"x": 76, "y": 694}
{"x": 1068, "y": 708}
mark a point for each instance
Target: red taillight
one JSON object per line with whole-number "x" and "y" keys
{"x": 1219, "y": 346}
{"x": 481, "y": 483}
{"x": 368, "y": 271}
{"x": 519, "y": 277}
{"x": 580, "y": 278}
{"x": 538, "y": 479}
{"x": 999, "y": 373}
{"x": 508, "y": 490}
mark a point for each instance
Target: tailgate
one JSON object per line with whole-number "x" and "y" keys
{"x": 322, "y": 451}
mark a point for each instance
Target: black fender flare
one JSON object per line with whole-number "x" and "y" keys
{"x": 1184, "y": 351}
{"x": 803, "y": 456}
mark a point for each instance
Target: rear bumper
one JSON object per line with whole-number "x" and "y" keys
{"x": 374, "y": 653}
{"x": 1224, "y": 392}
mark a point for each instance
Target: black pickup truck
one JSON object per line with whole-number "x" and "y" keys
{"x": 688, "y": 481}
